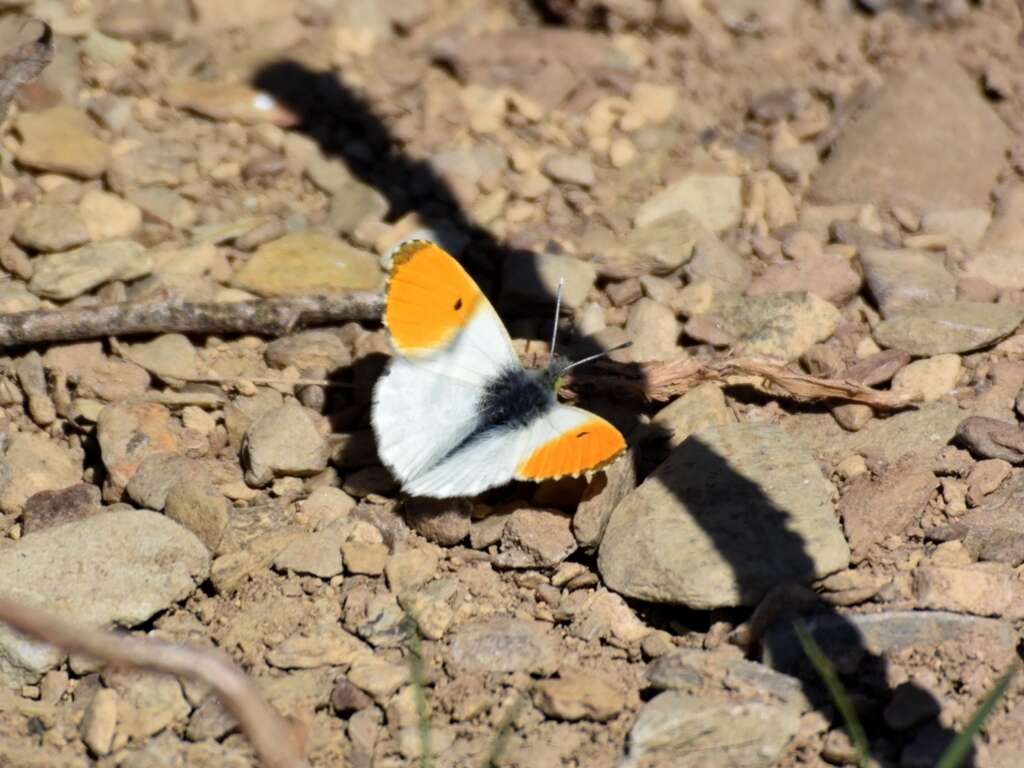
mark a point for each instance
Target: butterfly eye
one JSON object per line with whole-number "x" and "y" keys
{"x": 458, "y": 304}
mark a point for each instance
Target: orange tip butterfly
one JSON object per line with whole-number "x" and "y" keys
{"x": 455, "y": 412}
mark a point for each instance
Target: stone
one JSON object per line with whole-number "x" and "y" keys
{"x": 327, "y": 645}
{"x": 309, "y": 349}
{"x": 909, "y": 706}
{"x": 99, "y": 722}
{"x": 50, "y": 227}
{"x": 354, "y": 204}
{"x": 61, "y": 140}
{"x": 717, "y": 264}
{"x": 901, "y": 279}
{"x": 15, "y": 297}
{"x": 36, "y": 463}
{"x": 432, "y": 607}
{"x": 107, "y": 216}
{"x": 535, "y": 538}
{"x": 929, "y": 379}
{"x": 346, "y": 698}
{"x": 702, "y": 407}
{"x": 873, "y": 509}
{"x": 782, "y": 325}
{"x": 994, "y": 530}
{"x": 658, "y": 248}
{"x": 283, "y": 442}
{"x": 169, "y": 356}
{"x": 605, "y": 616}
{"x": 842, "y": 635}
{"x": 367, "y": 558}
{"x": 155, "y": 476}
{"x": 653, "y": 330}
{"x": 967, "y": 225}
{"x": 735, "y": 510}
{"x": 502, "y": 644}
{"x": 200, "y": 508}
{"x": 312, "y": 553}
{"x": 378, "y": 678}
{"x": 826, "y": 275}
{"x": 954, "y": 326}
{"x": 982, "y": 589}
{"x": 128, "y": 433}
{"x": 411, "y": 569}
{"x": 234, "y": 101}
{"x": 681, "y": 729}
{"x": 877, "y": 368}
{"x": 112, "y": 569}
{"x": 603, "y": 493}
{"x": 63, "y": 276}
{"x": 992, "y": 438}
{"x": 715, "y": 200}
{"x": 32, "y": 377}
{"x": 998, "y": 267}
{"x": 442, "y": 521}
{"x": 570, "y": 169}
{"x": 579, "y": 696}
{"x": 148, "y": 703}
{"x": 533, "y": 278}
{"x": 306, "y": 263}
{"x": 895, "y": 149}
{"x": 47, "y": 509}
{"x": 985, "y": 477}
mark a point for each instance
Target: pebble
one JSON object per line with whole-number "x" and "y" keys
{"x": 928, "y": 379}
{"x": 533, "y": 278}
{"x": 36, "y": 463}
{"x": 63, "y": 276}
{"x": 982, "y": 589}
{"x": 302, "y": 263}
{"x": 100, "y": 721}
{"x": 107, "y": 216}
{"x": 603, "y": 493}
{"x": 967, "y": 225}
{"x": 674, "y": 726}
{"x": 115, "y": 568}
{"x": 715, "y": 200}
{"x": 367, "y": 558}
{"x": 998, "y": 267}
{"x": 535, "y": 538}
{"x": 311, "y": 553}
{"x": 62, "y": 140}
{"x": 442, "y": 521}
{"x": 658, "y": 248}
{"x": 910, "y": 705}
{"x": 200, "y": 508}
{"x": 411, "y": 569}
{"x": 579, "y": 696}
{"x": 378, "y": 678}
{"x": 782, "y": 325}
{"x": 994, "y": 530}
{"x": 718, "y": 265}
{"x": 502, "y": 644}
{"x": 50, "y": 227}
{"x": 355, "y": 204}
{"x": 704, "y": 531}
{"x": 992, "y": 438}
{"x": 148, "y": 703}
{"x": 985, "y": 477}
{"x": 229, "y": 101}
{"x": 654, "y": 331}
{"x": 284, "y": 441}
{"x": 47, "y": 509}
{"x": 954, "y": 326}
{"x": 309, "y": 349}
{"x": 570, "y": 169}
{"x": 155, "y": 476}
{"x": 702, "y": 407}
{"x": 32, "y": 378}
{"x": 882, "y": 154}
{"x": 872, "y": 509}
{"x": 902, "y": 279}
{"x": 128, "y": 433}
{"x": 168, "y": 356}
{"x": 327, "y": 645}
{"x": 1007, "y": 228}
{"x": 826, "y": 275}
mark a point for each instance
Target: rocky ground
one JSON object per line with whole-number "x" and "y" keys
{"x": 832, "y": 183}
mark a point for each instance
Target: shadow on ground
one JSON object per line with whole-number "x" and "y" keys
{"x": 342, "y": 123}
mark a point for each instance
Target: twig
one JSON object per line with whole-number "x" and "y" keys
{"x": 270, "y": 735}
{"x": 268, "y": 317}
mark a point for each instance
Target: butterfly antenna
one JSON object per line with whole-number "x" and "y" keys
{"x": 599, "y": 355}
{"x": 558, "y": 308}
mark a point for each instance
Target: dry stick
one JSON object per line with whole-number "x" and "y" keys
{"x": 270, "y": 735}
{"x": 268, "y": 317}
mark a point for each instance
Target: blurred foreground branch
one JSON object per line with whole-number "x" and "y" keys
{"x": 267, "y": 317}
{"x": 271, "y": 736}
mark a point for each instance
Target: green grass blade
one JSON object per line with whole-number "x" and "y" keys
{"x": 835, "y": 688}
{"x": 961, "y": 746}
{"x": 419, "y": 686}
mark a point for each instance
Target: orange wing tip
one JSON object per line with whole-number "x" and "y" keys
{"x": 567, "y": 456}
{"x": 408, "y": 249}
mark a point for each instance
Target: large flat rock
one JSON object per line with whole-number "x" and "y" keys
{"x": 112, "y": 569}
{"x": 735, "y": 510}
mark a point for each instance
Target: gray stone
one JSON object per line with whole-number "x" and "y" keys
{"x": 355, "y": 203}
{"x": 703, "y": 406}
{"x": 718, "y": 264}
{"x": 900, "y": 279}
{"x": 733, "y": 511}
{"x": 116, "y": 568}
{"x": 656, "y": 249}
{"x": 155, "y": 476}
{"x": 535, "y": 538}
{"x": 654, "y": 331}
{"x": 604, "y": 492}
{"x": 49, "y": 508}
{"x": 503, "y": 644}
{"x": 283, "y": 441}
{"x": 63, "y": 276}
{"x": 169, "y": 356}
{"x": 50, "y": 227}
{"x": 715, "y": 200}
{"x": 954, "y": 326}
{"x": 201, "y": 508}
{"x": 897, "y": 148}
{"x": 309, "y": 349}
{"x": 994, "y": 530}
{"x": 570, "y": 169}
{"x": 682, "y": 730}
{"x": 36, "y": 463}
{"x": 316, "y": 554}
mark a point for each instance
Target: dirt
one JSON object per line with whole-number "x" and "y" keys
{"x": 686, "y": 166}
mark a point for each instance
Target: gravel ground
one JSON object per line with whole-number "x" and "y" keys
{"x": 837, "y": 185}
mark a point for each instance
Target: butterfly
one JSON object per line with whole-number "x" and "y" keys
{"x": 455, "y": 412}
